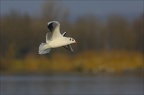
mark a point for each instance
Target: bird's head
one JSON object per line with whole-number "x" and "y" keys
{"x": 71, "y": 40}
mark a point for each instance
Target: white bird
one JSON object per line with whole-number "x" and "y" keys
{"x": 55, "y": 39}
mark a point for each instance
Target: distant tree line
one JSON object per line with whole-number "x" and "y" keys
{"x": 22, "y": 34}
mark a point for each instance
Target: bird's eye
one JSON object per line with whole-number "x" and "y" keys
{"x": 70, "y": 39}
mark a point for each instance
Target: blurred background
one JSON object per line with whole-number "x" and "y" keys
{"x": 109, "y": 53}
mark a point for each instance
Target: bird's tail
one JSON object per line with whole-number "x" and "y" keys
{"x": 43, "y": 49}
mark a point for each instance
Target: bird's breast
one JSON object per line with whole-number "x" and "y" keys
{"x": 57, "y": 43}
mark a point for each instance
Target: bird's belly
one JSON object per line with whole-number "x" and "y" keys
{"x": 55, "y": 44}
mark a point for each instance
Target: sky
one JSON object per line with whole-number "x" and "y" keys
{"x": 77, "y": 8}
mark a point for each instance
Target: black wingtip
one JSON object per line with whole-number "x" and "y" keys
{"x": 64, "y": 34}
{"x": 50, "y": 27}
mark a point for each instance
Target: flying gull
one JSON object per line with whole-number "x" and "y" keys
{"x": 55, "y": 39}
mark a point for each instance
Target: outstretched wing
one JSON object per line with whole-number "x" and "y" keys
{"x": 64, "y": 33}
{"x": 48, "y": 36}
{"x": 54, "y": 28}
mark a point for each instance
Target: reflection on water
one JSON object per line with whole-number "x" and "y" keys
{"x": 71, "y": 85}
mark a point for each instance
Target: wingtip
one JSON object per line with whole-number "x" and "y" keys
{"x": 52, "y": 22}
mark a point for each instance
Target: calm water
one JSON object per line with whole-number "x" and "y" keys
{"x": 84, "y": 85}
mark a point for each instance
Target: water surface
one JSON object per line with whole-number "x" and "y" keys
{"x": 85, "y": 85}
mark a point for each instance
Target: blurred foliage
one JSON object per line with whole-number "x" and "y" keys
{"x": 112, "y": 46}
{"x": 116, "y": 62}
